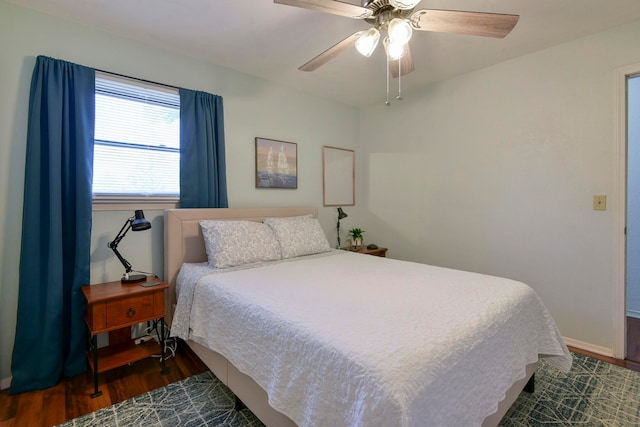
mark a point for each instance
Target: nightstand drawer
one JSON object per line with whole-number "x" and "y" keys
{"x": 129, "y": 310}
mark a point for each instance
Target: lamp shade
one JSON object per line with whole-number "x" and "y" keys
{"x": 341, "y": 214}
{"x": 399, "y": 31}
{"x": 394, "y": 50}
{"x": 139, "y": 222}
{"x": 368, "y": 41}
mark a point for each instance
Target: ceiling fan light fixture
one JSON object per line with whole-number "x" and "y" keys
{"x": 404, "y": 4}
{"x": 399, "y": 31}
{"x": 368, "y": 41}
{"x": 394, "y": 50}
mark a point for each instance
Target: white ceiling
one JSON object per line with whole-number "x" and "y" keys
{"x": 271, "y": 41}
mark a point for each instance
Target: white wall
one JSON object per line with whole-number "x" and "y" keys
{"x": 253, "y": 107}
{"x": 495, "y": 172}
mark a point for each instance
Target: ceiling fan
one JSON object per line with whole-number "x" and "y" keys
{"x": 398, "y": 18}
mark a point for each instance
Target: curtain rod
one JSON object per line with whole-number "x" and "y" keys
{"x": 136, "y": 78}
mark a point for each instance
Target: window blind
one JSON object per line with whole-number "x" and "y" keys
{"x": 137, "y": 138}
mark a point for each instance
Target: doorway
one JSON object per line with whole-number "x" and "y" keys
{"x": 632, "y": 269}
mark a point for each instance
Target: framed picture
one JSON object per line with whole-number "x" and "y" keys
{"x": 276, "y": 164}
{"x": 338, "y": 176}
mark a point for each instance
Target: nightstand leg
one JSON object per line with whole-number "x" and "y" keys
{"x": 94, "y": 350}
{"x": 162, "y": 357}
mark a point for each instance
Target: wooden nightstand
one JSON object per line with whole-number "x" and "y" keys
{"x": 114, "y": 307}
{"x": 381, "y": 252}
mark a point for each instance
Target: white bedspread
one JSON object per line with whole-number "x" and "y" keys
{"x": 354, "y": 340}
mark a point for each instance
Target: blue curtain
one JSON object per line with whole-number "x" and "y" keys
{"x": 203, "y": 177}
{"x": 56, "y": 226}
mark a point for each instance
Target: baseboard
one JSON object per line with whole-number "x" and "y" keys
{"x": 5, "y": 383}
{"x": 633, "y": 313}
{"x": 589, "y": 347}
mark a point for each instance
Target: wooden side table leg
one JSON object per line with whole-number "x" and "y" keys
{"x": 94, "y": 350}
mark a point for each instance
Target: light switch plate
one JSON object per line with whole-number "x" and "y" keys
{"x": 599, "y": 203}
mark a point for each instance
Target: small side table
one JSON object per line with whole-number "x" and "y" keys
{"x": 381, "y": 252}
{"x": 114, "y": 307}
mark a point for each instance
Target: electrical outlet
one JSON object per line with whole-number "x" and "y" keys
{"x": 599, "y": 203}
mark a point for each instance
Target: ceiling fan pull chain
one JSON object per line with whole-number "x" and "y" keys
{"x": 399, "y": 97}
{"x": 387, "y": 103}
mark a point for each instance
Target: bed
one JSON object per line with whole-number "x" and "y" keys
{"x": 319, "y": 339}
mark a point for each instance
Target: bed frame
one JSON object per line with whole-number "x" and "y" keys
{"x": 183, "y": 242}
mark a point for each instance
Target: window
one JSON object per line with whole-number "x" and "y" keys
{"x": 137, "y": 141}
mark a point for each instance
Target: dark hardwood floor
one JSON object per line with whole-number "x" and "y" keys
{"x": 629, "y": 364}
{"x": 71, "y": 397}
{"x": 633, "y": 339}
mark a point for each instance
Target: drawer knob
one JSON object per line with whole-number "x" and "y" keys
{"x": 131, "y": 312}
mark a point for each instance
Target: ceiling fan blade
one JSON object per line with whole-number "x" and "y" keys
{"x": 330, "y": 6}
{"x": 332, "y": 52}
{"x": 461, "y": 22}
{"x": 402, "y": 66}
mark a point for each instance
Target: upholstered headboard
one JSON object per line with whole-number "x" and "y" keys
{"x": 183, "y": 241}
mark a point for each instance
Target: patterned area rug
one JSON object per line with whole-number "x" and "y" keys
{"x": 200, "y": 400}
{"x": 593, "y": 394}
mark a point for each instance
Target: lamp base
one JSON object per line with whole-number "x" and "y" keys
{"x": 134, "y": 278}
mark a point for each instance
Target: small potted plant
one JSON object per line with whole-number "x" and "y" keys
{"x": 356, "y": 237}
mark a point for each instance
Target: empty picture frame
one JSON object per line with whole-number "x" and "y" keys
{"x": 338, "y": 176}
{"x": 276, "y": 164}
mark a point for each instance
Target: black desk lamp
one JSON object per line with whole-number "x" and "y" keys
{"x": 341, "y": 215}
{"x": 135, "y": 223}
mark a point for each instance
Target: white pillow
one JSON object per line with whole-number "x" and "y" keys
{"x": 231, "y": 243}
{"x": 299, "y": 235}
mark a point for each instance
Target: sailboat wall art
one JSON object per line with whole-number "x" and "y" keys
{"x": 276, "y": 164}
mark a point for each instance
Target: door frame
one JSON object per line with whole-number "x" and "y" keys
{"x": 620, "y": 221}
